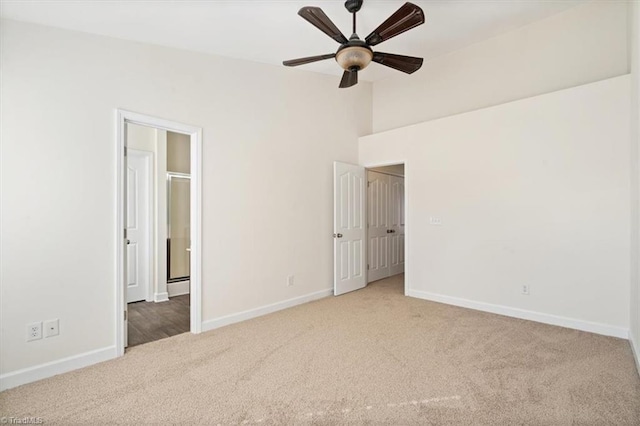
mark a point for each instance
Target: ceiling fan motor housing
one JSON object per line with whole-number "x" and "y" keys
{"x": 353, "y": 6}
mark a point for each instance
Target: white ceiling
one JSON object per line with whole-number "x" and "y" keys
{"x": 271, "y": 31}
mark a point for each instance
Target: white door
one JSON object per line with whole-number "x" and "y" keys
{"x": 348, "y": 225}
{"x": 396, "y": 195}
{"x": 378, "y": 225}
{"x": 138, "y": 181}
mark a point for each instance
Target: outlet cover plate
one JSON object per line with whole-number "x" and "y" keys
{"x": 51, "y": 328}
{"x": 34, "y": 331}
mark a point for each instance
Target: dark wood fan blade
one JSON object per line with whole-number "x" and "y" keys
{"x": 318, "y": 19}
{"x": 349, "y": 78}
{"x": 407, "y": 64}
{"x": 405, "y": 18}
{"x": 307, "y": 60}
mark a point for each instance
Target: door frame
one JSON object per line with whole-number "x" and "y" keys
{"x": 195, "y": 134}
{"x": 368, "y": 167}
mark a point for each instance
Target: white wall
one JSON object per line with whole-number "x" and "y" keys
{"x": 270, "y": 137}
{"x": 531, "y": 192}
{"x": 178, "y": 152}
{"x": 634, "y": 42}
{"x": 142, "y": 138}
{"x": 582, "y": 45}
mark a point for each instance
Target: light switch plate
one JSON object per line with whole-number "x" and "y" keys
{"x": 435, "y": 221}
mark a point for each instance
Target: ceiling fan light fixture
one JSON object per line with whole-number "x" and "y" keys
{"x": 354, "y": 57}
{"x": 354, "y": 54}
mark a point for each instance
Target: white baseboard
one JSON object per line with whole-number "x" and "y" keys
{"x": 178, "y": 288}
{"x": 636, "y": 350}
{"x": 161, "y": 297}
{"x": 576, "y": 324}
{"x": 263, "y": 310}
{"x": 49, "y": 369}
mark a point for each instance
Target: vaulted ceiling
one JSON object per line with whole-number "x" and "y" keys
{"x": 271, "y": 31}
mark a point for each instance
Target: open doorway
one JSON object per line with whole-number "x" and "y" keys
{"x": 386, "y": 223}
{"x": 158, "y": 263}
{"x": 369, "y": 207}
{"x": 158, "y": 233}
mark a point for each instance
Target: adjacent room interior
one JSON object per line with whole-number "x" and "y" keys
{"x": 385, "y": 221}
{"x": 494, "y": 160}
{"x": 158, "y": 180}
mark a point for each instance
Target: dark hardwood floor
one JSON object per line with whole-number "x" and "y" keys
{"x": 149, "y": 321}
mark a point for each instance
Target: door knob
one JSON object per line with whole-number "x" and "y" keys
{"x": 337, "y": 235}
{"x": 128, "y": 241}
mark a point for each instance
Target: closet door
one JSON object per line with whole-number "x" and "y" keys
{"x": 378, "y": 225}
{"x": 396, "y": 216}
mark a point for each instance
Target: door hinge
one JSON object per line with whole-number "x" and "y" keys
{"x": 125, "y": 232}
{"x": 125, "y": 151}
{"x": 367, "y": 266}
{"x": 125, "y": 315}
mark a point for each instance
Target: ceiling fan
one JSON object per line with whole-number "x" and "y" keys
{"x": 354, "y": 54}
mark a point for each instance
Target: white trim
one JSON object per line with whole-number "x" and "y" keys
{"x": 636, "y": 350}
{"x": 120, "y": 303}
{"x": 178, "y": 288}
{"x": 195, "y": 274}
{"x": 407, "y": 233}
{"x": 195, "y": 133}
{"x": 264, "y": 310}
{"x": 161, "y": 297}
{"x": 49, "y": 369}
{"x": 576, "y": 324}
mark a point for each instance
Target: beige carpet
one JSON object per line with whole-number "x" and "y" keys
{"x": 368, "y": 357}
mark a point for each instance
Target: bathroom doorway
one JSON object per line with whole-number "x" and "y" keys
{"x": 159, "y": 176}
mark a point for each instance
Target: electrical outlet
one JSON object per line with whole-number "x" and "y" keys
{"x": 289, "y": 280}
{"x": 51, "y": 328}
{"x": 34, "y": 331}
{"x": 525, "y": 289}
